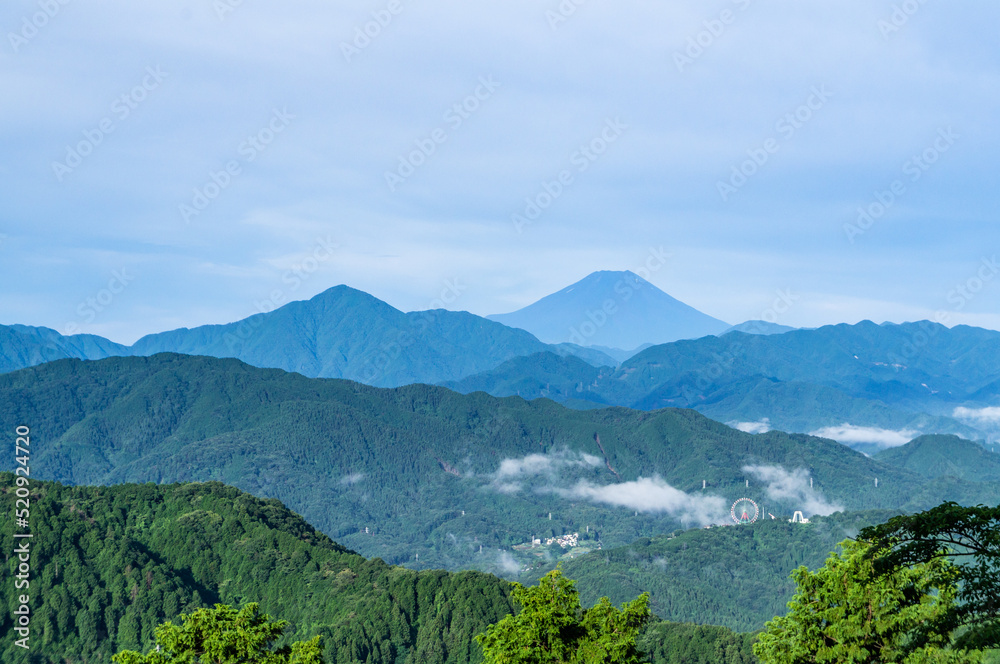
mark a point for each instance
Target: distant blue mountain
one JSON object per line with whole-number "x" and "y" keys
{"x": 862, "y": 383}
{"x": 25, "y": 346}
{"x": 612, "y": 309}
{"x": 759, "y": 327}
{"x": 340, "y": 333}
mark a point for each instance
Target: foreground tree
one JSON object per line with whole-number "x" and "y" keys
{"x": 847, "y": 612}
{"x": 552, "y": 628}
{"x": 968, "y": 535}
{"x": 224, "y": 636}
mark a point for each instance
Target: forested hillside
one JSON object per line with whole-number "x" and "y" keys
{"x": 111, "y": 563}
{"x": 427, "y": 477}
{"x": 944, "y": 456}
{"x": 733, "y": 576}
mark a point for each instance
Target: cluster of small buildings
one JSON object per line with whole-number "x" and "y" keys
{"x": 565, "y": 541}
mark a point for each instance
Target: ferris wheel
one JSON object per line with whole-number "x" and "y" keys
{"x": 744, "y": 511}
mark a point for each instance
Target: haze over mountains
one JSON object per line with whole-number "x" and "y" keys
{"x": 340, "y": 333}
{"x": 867, "y": 385}
{"x": 346, "y": 333}
{"x": 467, "y": 474}
{"x": 863, "y": 384}
{"x": 614, "y": 309}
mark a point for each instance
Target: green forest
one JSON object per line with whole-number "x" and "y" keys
{"x": 738, "y": 577}
{"x": 410, "y": 474}
{"x": 111, "y": 563}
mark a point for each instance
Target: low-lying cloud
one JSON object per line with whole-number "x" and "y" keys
{"x": 538, "y": 464}
{"x": 850, "y": 434}
{"x": 988, "y": 415}
{"x": 507, "y": 564}
{"x": 352, "y": 478}
{"x": 761, "y": 426}
{"x": 652, "y": 494}
{"x": 792, "y": 487}
{"x": 646, "y": 494}
{"x": 511, "y": 471}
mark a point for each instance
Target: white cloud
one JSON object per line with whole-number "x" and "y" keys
{"x": 792, "y": 487}
{"x": 988, "y": 415}
{"x": 505, "y": 480}
{"x": 653, "y": 495}
{"x": 850, "y": 434}
{"x": 507, "y": 563}
{"x": 537, "y": 464}
{"x": 763, "y": 426}
{"x": 532, "y": 464}
{"x": 352, "y": 478}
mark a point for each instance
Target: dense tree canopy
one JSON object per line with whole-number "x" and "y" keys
{"x": 846, "y": 612}
{"x": 112, "y": 564}
{"x": 349, "y": 457}
{"x": 969, "y": 535}
{"x": 224, "y": 635}
{"x": 552, "y": 628}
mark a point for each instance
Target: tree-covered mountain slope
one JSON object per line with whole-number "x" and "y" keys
{"x": 736, "y": 576}
{"x": 542, "y": 375}
{"x": 424, "y": 476}
{"x": 108, "y": 564}
{"x": 346, "y": 333}
{"x": 915, "y": 377}
{"x": 944, "y": 456}
{"x": 340, "y": 333}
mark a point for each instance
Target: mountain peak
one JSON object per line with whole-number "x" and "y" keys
{"x": 613, "y": 308}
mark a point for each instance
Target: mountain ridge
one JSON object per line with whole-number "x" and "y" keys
{"x": 421, "y": 470}
{"x": 340, "y": 333}
{"x": 864, "y": 376}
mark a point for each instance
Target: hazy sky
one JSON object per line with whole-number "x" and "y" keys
{"x": 176, "y": 164}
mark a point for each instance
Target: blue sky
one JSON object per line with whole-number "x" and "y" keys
{"x": 195, "y": 162}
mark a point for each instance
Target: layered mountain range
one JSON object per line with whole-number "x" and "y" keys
{"x": 425, "y": 476}
{"x": 867, "y": 385}
{"x": 446, "y": 440}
